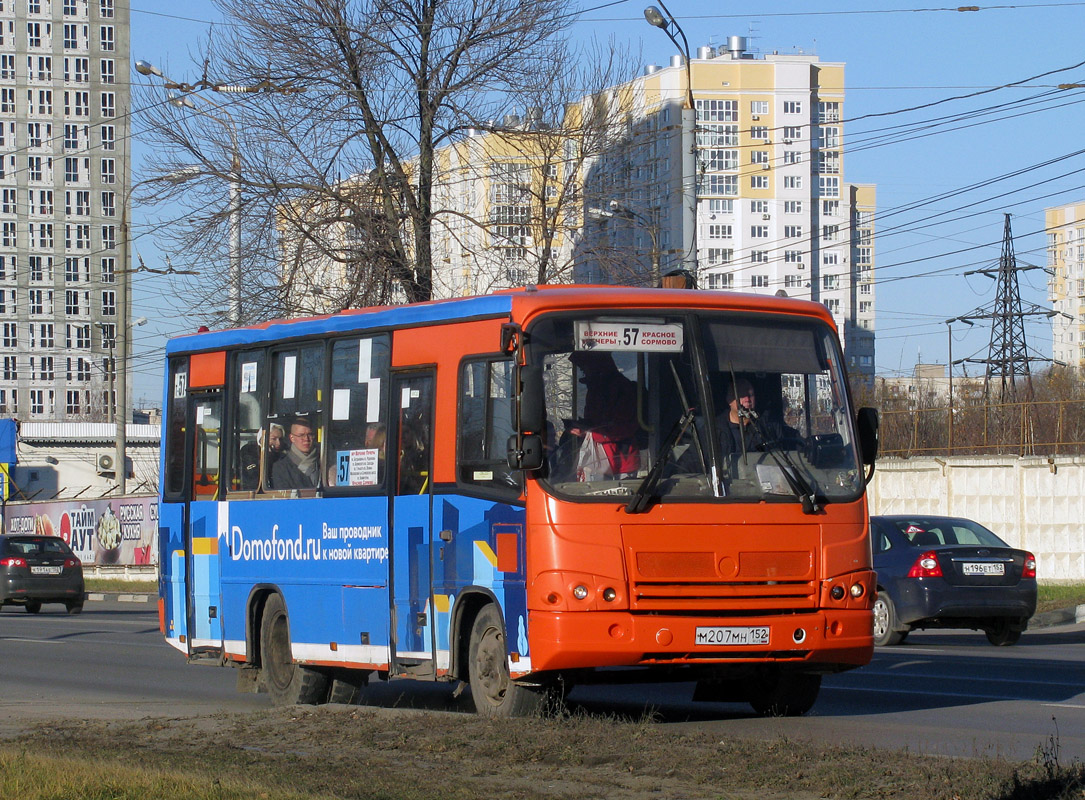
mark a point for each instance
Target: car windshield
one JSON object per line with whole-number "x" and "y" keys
{"x": 692, "y": 406}
{"x": 941, "y": 531}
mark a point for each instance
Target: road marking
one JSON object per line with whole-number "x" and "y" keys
{"x": 38, "y": 641}
{"x": 932, "y": 693}
{"x": 1063, "y": 705}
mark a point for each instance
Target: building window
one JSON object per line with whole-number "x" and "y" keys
{"x": 829, "y": 282}
{"x": 721, "y": 280}
{"x": 717, "y": 256}
{"x": 759, "y": 132}
{"x": 109, "y": 335}
{"x": 106, "y": 37}
{"x": 792, "y": 231}
{"x": 72, "y": 402}
{"x": 792, "y": 256}
{"x": 11, "y": 368}
{"x": 109, "y": 303}
{"x": 7, "y": 101}
{"x": 109, "y": 270}
{"x": 718, "y": 205}
{"x": 109, "y": 170}
{"x": 7, "y": 204}
{"x": 792, "y": 133}
{"x": 759, "y": 281}
{"x": 759, "y": 206}
{"x": 109, "y": 237}
{"x": 759, "y": 156}
{"x": 109, "y": 204}
{"x": 719, "y": 160}
{"x": 833, "y": 304}
{"x": 717, "y": 135}
{"x": 759, "y": 231}
{"x": 759, "y": 182}
{"x": 107, "y": 69}
{"x": 109, "y": 104}
{"x": 792, "y": 107}
{"x": 109, "y": 137}
{"x": 792, "y": 181}
{"x": 792, "y": 281}
{"x": 830, "y": 208}
{"x": 8, "y": 235}
{"x": 719, "y": 231}
{"x": 828, "y": 162}
{"x": 71, "y": 303}
{"x": 717, "y": 111}
{"x": 828, "y": 112}
{"x": 71, "y": 169}
{"x": 865, "y": 306}
{"x": 829, "y": 233}
{"x": 45, "y": 335}
{"x": 759, "y": 256}
{"x": 759, "y": 106}
{"x": 11, "y": 335}
{"x": 828, "y": 186}
{"x": 830, "y": 258}
{"x": 719, "y": 184}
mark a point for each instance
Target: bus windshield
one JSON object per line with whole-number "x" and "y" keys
{"x": 694, "y": 406}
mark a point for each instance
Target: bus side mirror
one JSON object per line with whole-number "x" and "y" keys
{"x": 524, "y": 452}
{"x": 532, "y": 413}
{"x": 866, "y": 422}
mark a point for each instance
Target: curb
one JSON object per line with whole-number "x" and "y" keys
{"x": 120, "y": 598}
{"x": 1061, "y": 616}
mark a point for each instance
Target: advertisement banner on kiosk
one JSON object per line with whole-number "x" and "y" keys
{"x": 115, "y": 531}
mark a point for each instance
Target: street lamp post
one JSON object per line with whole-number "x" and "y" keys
{"x": 234, "y": 210}
{"x": 949, "y": 367}
{"x": 665, "y": 21}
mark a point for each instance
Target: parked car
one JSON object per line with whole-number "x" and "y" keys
{"x": 40, "y": 569}
{"x": 948, "y": 572}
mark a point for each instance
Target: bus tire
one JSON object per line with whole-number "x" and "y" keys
{"x": 347, "y": 686}
{"x": 776, "y": 693}
{"x": 492, "y": 689}
{"x": 287, "y": 683}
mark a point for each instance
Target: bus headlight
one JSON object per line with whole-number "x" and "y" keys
{"x": 857, "y": 590}
{"x": 580, "y": 591}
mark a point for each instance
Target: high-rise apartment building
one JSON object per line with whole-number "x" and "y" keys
{"x": 771, "y": 211}
{"x": 64, "y": 176}
{"x": 1065, "y": 227}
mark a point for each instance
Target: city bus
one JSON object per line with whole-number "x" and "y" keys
{"x": 524, "y": 492}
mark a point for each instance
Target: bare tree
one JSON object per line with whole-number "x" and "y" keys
{"x": 381, "y": 86}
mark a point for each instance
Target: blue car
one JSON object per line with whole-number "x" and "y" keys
{"x": 949, "y": 572}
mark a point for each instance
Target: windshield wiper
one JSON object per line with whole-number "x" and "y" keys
{"x": 795, "y": 479}
{"x": 639, "y": 501}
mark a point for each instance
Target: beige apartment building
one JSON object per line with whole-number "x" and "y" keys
{"x": 1065, "y": 227}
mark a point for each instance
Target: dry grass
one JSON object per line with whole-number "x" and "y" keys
{"x": 379, "y": 754}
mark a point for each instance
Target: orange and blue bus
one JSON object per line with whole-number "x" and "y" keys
{"x": 525, "y": 492}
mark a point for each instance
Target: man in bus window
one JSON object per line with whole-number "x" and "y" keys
{"x": 299, "y": 466}
{"x": 742, "y": 422}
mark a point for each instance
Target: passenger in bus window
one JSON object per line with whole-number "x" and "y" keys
{"x": 299, "y": 466}
{"x": 608, "y": 424}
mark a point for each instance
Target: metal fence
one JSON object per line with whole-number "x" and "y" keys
{"x": 1049, "y": 427}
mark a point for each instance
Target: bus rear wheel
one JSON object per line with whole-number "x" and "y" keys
{"x": 493, "y": 690}
{"x": 777, "y": 693}
{"x": 287, "y": 683}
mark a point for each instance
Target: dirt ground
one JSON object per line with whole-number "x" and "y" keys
{"x": 403, "y": 754}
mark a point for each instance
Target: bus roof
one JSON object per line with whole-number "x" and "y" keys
{"x": 520, "y": 304}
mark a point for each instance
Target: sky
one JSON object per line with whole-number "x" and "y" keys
{"x": 946, "y": 170}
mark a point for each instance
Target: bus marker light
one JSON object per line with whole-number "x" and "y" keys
{"x": 837, "y": 592}
{"x": 857, "y": 590}
{"x": 664, "y": 637}
{"x": 799, "y": 636}
{"x": 334, "y": 647}
{"x": 609, "y": 594}
{"x": 616, "y": 631}
{"x": 552, "y": 598}
{"x": 580, "y": 592}
{"x": 835, "y": 628}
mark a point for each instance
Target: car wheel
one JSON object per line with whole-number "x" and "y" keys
{"x": 784, "y": 694}
{"x": 493, "y": 690}
{"x": 1002, "y": 633}
{"x": 886, "y": 624}
{"x": 33, "y": 607}
{"x": 74, "y": 608}
{"x": 287, "y": 683}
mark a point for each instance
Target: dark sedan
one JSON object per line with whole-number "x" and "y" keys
{"x": 948, "y": 572}
{"x": 40, "y": 569}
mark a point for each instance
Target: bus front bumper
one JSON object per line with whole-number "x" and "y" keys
{"x": 826, "y": 640}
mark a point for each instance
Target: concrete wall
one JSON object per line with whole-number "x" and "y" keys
{"x": 1034, "y": 503}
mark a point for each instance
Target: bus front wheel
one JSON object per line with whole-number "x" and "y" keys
{"x": 494, "y": 692}
{"x": 287, "y": 683}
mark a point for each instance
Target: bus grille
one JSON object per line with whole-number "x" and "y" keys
{"x": 748, "y": 583}
{"x": 746, "y": 598}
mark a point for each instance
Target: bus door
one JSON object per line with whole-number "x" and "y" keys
{"x": 206, "y": 519}
{"x": 411, "y": 569}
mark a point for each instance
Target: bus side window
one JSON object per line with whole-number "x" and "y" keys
{"x": 485, "y": 425}
{"x": 247, "y": 438}
{"x": 358, "y": 423}
{"x": 297, "y": 376}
